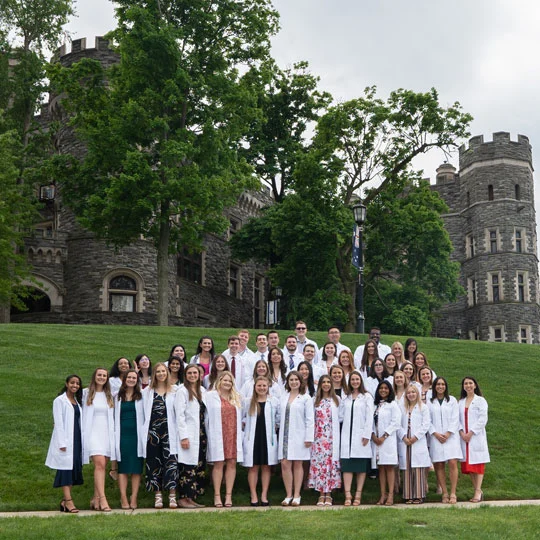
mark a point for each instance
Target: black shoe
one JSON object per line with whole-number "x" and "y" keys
{"x": 265, "y": 503}
{"x": 254, "y": 503}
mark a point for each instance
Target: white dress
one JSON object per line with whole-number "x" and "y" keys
{"x": 98, "y": 443}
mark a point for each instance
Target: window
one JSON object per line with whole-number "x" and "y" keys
{"x": 469, "y": 246}
{"x": 490, "y": 192}
{"x": 493, "y": 241}
{"x": 517, "y": 191}
{"x": 46, "y": 193}
{"x": 520, "y": 240}
{"x": 234, "y": 226}
{"x": 496, "y": 333}
{"x": 234, "y": 281}
{"x": 522, "y": 287}
{"x": 471, "y": 292}
{"x": 524, "y": 334}
{"x": 468, "y": 198}
{"x": 494, "y": 287}
{"x": 190, "y": 266}
{"x": 122, "y": 294}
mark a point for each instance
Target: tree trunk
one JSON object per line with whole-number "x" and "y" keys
{"x": 5, "y": 314}
{"x": 348, "y": 284}
{"x": 163, "y": 267}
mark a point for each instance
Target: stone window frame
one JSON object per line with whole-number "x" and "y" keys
{"x": 196, "y": 259}
{"x": 470, "y": 246}
{"x": 106, "y": 290}
{"x": 522, "y": 295}
{"x": 235, "y": 224}
{"x": 234, "y": 283}
{"x": 491, "y": 286}
{"x": 472, "y": 291}
{"x": 528, "y": 334}
{"x": 497, "y": 334}
{"x": 523, "y": 240}
{"x": 488, "y": 232}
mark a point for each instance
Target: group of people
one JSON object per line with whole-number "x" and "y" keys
{"x": 328, "y": 416}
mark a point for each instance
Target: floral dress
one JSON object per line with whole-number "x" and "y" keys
{"x": 324, "y": 471}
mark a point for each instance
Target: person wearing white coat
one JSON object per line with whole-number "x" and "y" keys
{"x": 325, "y": 467}
{"x": 295, "y": 436}
{"x": 159, "y": 436}
{"x": 473, "y": 417}
{"x": 98, "y": 433}
{"x": 128, "y": 423}
{"x": 65, "y": 448}
{"x": 386, "y": 422}
{"x": 444, "y": 439}
{"x": 412, "y": 445}
{"x": 261, "y": 420}
{"x": 190, "y": 407}
{"x": 357, "y": 412}
{"x": 224, "y": 428}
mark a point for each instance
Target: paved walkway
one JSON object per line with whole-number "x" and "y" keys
{"x": 141, "y": 511}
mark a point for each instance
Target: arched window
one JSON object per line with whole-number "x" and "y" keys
{"x": 122, "y": 294}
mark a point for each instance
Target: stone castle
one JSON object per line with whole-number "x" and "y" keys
{"x": 491, "y": 222}
{"x": 85, "y": 281}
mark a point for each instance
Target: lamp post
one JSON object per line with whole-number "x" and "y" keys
{"x": 359, "y": 211}
{"x": 279, "y": 292}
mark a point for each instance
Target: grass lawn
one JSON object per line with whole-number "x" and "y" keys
{"x": 484, "y": 522}
{"x": 35, "y": 359}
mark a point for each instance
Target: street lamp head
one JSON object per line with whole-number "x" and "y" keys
{"x": 279, "y": 292}
{"x": 359, "y": 211}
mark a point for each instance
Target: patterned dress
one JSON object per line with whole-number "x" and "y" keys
{"x": 192, "y": 477}
{"x": 161, "y": 465}
{"x": 324, "y": 471}
{"x": 414, "y": 479}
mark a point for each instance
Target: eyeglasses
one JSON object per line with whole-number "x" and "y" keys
{"x": 301, "y": 328}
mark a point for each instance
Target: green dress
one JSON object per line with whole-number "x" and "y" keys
{"x": 131, "y": 463}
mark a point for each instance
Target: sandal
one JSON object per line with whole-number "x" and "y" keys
{"x": 418, "y": 501}
{"x": 321, "y": 500}
{"x": 228, "y": 500}
{"x": 328, "y": 501}
{"x": 158, "y": 501}
{"x": 357, "y": 499}
{"x": 476, "y": 499}
{"x": 286, "y": 501}
{"x": 453, "y": 499}
{"x": 104, "y": 508}
{"x": 445, "y": 499}
{"x": 172, "y": 500}
{"x": 348, "y": 499}
{"x": 113, "y": 475}
{"x": 64, "y": 508}
{"x": 390, "y": 500}
{"x": 296, "y": 501}
{"x": 382, "y": 500}
{"x": 93, "y": 505}
{"x": 217, "y": 501}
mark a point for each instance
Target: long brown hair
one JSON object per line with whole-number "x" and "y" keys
{"x": 106, "y": 389}
{"x": 136, "y": 389}
{"x": 193, "y": 393}
{"x": 319, "y": 394}
{"x": 254, "y": 407}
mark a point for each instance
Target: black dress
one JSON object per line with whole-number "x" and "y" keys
{"x": 260, "y": 448}
{"x": 73, "y": 477}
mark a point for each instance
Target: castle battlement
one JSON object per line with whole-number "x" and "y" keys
{"x": 70, "y": 53}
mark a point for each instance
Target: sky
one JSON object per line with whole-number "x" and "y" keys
{"x": 482, "y": 53}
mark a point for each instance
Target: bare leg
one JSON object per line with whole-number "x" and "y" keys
{"x": 100, "y": 466}
{"x": 286, "y": 473}
{"x": 441, "y": 479}
{"x": 360, "y": 479}
{"x": 253, "y": 475}
{"x": 135, "y": 484}
{"x": 390, "y": 478}
{"x": 382, "y": 484}
{"x": 453, "y": 472}
{"x": 68, "y": 502}
{"x": 122, "y": 486}
{"x": 298, "y": 472}
{"x": 217, "y": 477}
{"x": 347, "y": 482}
{"x": 230, "y": 476}
{"x": 265, "y": 482}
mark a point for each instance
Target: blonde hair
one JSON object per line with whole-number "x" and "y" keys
{"x": 106, "y": 389}
{"x": 254, "y": 407}
{"x": 234, "y": 397}
{"x": 154, "y": 381}
{"x": 409, "y": 405}
{"x": 399, "y": 346}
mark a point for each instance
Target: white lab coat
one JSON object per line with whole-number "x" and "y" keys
{"x": 188, "y": 425}
{"x": 148, "y": 401}
{"x": 362, "y": 424}
{"x": 336, "y": 411}
{"x": 420, "y": 422}
{"x": 275, "y": 390}
{"x": 444, "y": 418}
{"x": 389, "y": 422}
{"x": 301, "y": 427}
{"x": 478, "y": 417}
{"x": 271, "y": 420}
{"x": 62, "y": 435}
{"x": 87, "y": 419}
{"x": 214, "y": 429}
{"x": 139, "y": 415}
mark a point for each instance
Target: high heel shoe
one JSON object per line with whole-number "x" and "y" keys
{"x": 93, "y": 505}
{"x": 296, "y": 501}
{"x": 476, "y": 499}
{"x": 328, "y": 501}
{"x": 228, "y": 500}
{"x": 357, "y": 499}
{"x": 64, "y": 508}
{"x": 172, "y": 500}
{"x": 348, "y": 499}
{"x": 382, "y": 500}
{"x": 158, "y": 500}
{"x": 390, "y": 500}
{"x": 286, "y": 501}
{"x": 217, "y": 501}
{"x": 106, "y": 508}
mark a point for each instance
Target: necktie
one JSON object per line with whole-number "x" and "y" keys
{"x": 233, "y": 367}
{"x": 262, "y": 356}
{"x": 291, "y": 361}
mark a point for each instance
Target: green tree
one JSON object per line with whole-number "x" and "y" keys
{"x": 165, "y": 127}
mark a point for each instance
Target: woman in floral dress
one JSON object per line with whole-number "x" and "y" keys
{"x": 325, "y": 468}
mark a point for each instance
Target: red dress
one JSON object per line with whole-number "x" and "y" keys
{"x": 228, "y": 427}
{"x": 466, "y": 467}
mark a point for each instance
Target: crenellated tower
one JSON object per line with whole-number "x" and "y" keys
{"x": 492, "y": 225}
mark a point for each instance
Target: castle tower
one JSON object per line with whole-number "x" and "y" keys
{"x": 492, "y": 225}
